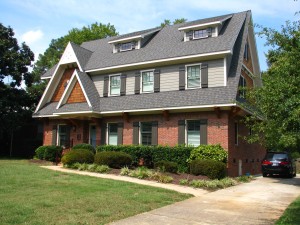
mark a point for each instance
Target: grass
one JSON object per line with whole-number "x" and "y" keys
{"x": 291, "y": 215}
{"x": 30, "y": 194}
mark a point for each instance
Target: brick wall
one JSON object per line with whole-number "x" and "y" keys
{"x": 61, "y": 85}
{"x": 76, "y": 94}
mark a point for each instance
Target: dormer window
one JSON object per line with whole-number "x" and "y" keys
{"x": 197, "y": 34}
{"x": 126, "y": 46}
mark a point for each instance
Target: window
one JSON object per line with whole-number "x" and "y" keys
{"x": 126, "y": 46}
{"x": 200, "y": 34}
{"x": 193, "y": 76}
{"x": 62, "y": 137}
{"x": 246, "y": 53}
{"x": 146, "y": 133}
{"x": 115, "y": 84}
{"x": 242, "y": 87}
{"x": 193, "y": 132}
{"x": 113, "y": 134}
{"x": 236, "y": 133}
{"x": 92, "y": 137}
{"x": 147, "y": 81}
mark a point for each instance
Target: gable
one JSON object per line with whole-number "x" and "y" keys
{"x": 248, "y": 57}
{"x": 76, "y": 94}
{"x": 62, "y": 85}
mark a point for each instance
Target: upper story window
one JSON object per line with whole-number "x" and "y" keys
{"x": 193, "y": 76}
{"x": 115, "y": 84}
{"x": 126, "y": 46}
{"x": 246, "y": 51}
{"x": 200, "y": 34}
{"x": 147, "y": 81}
{"x": 242, "y": 87}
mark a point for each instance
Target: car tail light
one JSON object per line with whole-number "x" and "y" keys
{"x": 266, "y": 162}
{"x": 284, "y": 163}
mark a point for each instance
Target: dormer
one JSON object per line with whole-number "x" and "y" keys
{"x": 203, "y": 30}
{"x": 129, "y": 43}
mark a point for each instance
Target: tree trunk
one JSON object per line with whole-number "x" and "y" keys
{"x": 11, "y": 143}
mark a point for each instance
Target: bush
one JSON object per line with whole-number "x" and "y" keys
{"x": 152, "y": 154}
{"x": 214, "y": 152}
{"x": 78, "y": 156}
{"x": 48, "y": 152}
{"x": 84, "y": 146}
{"x": 113, "y": 159}
{"x": 212, "y": 169}
{"x": 140, "y": 173}
{"x": 166, "y": 166}
{"x": 161, "y": 178}
{"x": 40, "y": 152}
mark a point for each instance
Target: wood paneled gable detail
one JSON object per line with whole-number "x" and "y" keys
{"x": 62, "y": 84}
{"x": 76, "y": 94}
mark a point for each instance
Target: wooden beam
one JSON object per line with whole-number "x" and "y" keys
{"x": 218, "y": 112}
{"x": 126, "y": 117}
{"x": 166, "y": 115}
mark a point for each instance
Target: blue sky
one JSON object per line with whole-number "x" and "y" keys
{"x": 38, "y": 21}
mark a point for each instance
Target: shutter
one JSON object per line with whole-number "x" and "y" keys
{"x": 120, "y": 133}
{"x": 156, "y": 80}
{"x": 68, "y": 129}
{"x": 189, "y": 35}
{"x": 204, "y": 75}
{"x": 209, "y": 31}
{"x": 203, "y": 132}
{"x": 181, "y": 132}
{"x": 123, "y": 84}
{"x": 105, "y": 86}
{"x": 154, "y": 140}
{"x": 135, "y": 134}
{"x": 137, "y": 83}
{"x": 182, "y": 78}
{"x": 103, "y": 133}
{"x": 54, "y": 134}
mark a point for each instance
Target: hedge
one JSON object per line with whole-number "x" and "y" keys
{"x": 210, "y": 152}
{"x": 84, "y": 146}
{"x": 152, "y": 154}
{"x": 48, "y": 152}
{"x": 113, "y": 159}
{"x": 211, "y": 168}
{"x": 78, "y": 156}
{"x": 166, "y": 166}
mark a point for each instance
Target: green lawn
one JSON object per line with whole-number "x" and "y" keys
{"x": 30, "y": 194}
{"x": 291, "y": 215}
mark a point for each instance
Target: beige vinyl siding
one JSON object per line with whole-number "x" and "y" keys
{"x": 169, "y": 77}
{"x": 216, "y": 73}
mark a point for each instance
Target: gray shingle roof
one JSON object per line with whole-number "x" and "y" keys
{"x": 83, "y": 55}
{"x": 233, "y": 37}
{"x": 49, "y": 72}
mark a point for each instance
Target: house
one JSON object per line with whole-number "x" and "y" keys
{"x": 179, "y": 84}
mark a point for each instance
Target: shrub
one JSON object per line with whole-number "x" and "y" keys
{"x": 140, "y": 173}
{"x": 152, "y": 154}
{"x": 113, "y": 159}
{"x": 83, "y": 167}
{"x": 166, "y": 166}
{"x": 78, "y": 156}
{"x": 48, "y": 152}
{"x": 52, "y": 152}
{"x": 161, "y": 178}
{"x": 102, "y": 169}
{"x": 84, "y": 146}
{"x": 40, "y": 152}
{"x": 214, "y": 152}
{"x": 212, "y": 169}
{"x": 125, "y": 171}
{"x": 184, "y": 182}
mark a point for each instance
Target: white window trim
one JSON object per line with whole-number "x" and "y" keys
{"x": 126, "y": 49}
{"x": 199, "y": 37}
{"x": 112, "y": 75}
{"x": 186, "y": 75}
{"x": 141, "y": 81}
{"x": 91, "y": 124}
{"x": 57, "y": 133}
{"x": 186, "y": 131}
{"x": 107, "y": 132}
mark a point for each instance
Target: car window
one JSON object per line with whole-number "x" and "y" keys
{"x": 277, "y": 157}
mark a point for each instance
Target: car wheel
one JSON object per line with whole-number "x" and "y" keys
{"x": 294, "y": 174}
{"x": 264, "y": 174}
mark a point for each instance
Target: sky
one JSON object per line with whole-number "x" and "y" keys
{"x": 37, "y": 22}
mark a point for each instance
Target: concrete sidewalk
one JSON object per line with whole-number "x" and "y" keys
{"x": 259, "y": 202}
{"x": 178, "y": 188}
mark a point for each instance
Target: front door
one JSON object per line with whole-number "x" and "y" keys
{"x": 92, "y": 136}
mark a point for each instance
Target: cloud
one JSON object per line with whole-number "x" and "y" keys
{"x": 32, "y": 36}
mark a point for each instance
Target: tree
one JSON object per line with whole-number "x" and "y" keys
{"x": 15, "y": 103}
{"x": 277, "y": 100}
{"x": 176, "y": 21}
{"x": 55, "y": 50}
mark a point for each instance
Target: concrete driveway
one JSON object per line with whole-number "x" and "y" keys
{"x": 260, "y": 202}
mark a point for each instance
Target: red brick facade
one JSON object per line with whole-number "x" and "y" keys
{"x": 220, "y": 130}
